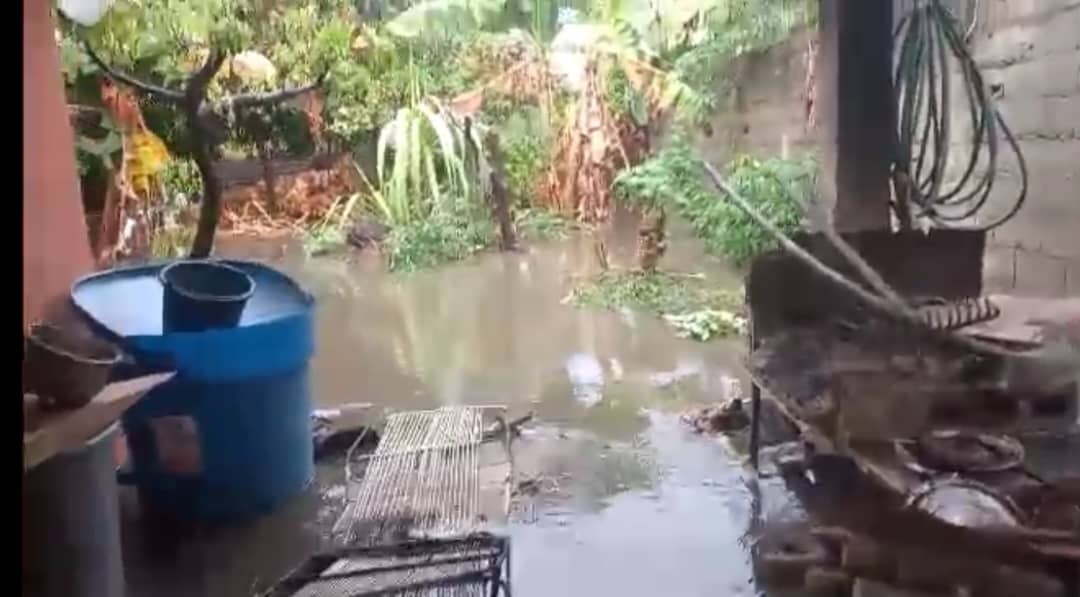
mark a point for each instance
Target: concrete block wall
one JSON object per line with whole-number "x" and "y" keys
{"x": 1016, "y": 269}
{"x": 1029, "y": 54}
{"x": 768, "y": 112}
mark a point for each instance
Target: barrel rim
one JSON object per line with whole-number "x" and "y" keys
{"x": 163, "y": 273}
{"x": 34, "y": 337}
{"x": 304, "y": 300}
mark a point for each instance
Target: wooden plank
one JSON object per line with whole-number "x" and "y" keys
{"x": 48, "y": 433}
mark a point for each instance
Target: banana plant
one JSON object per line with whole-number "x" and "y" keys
{"x": 445, "y": 17}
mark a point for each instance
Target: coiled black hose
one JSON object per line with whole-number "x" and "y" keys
{"x": 930, "y": 43}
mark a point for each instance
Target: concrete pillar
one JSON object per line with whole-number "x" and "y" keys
{"x": 56, "y": 248}
{"x": 854, "y": 78}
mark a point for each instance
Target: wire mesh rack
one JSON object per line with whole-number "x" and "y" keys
{"x": 421, "y": 480}
{"x": 475, "y": 565}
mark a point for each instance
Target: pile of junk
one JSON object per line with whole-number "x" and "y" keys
{"x": 939, "y": 447}
{"x": 938, "y": 441}
{"x": 189, "y": 381}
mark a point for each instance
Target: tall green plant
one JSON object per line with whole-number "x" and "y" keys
{"x": 422, "y": 163}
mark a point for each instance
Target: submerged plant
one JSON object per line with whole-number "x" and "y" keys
{"x": 443, "y": 237}
{"x": 684, "y": 301}
{"x": 706, "y": 324}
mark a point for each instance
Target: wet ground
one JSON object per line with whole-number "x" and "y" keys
{"x": 632, "y": 502}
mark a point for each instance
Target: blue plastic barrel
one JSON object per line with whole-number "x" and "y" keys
{"x": 229, "y": 437}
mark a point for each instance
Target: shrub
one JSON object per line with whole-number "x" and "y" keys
{"x": 775, "y": 186}
{"x": 442, "y": 237}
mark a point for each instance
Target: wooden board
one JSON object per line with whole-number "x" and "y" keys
{"x": 48, "y": 433}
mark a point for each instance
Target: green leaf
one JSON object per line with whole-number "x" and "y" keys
{"x": 414, "y": 153}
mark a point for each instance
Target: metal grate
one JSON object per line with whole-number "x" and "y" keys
{"x": 472, "y": 566}
{"x": 421, "y": 479}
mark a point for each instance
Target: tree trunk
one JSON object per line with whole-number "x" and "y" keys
{"x": 652, "y": 241}
{"x": 507, "y": 235}
{"x": 210, "y": 208}
{"x": 500, "y": 196}
{"x": 268, "y": 177}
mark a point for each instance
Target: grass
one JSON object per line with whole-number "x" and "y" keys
{"x": 684, "y": 301}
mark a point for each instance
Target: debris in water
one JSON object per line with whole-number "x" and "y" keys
{"x": 367, "y": 232}
{"x": 527, "y": 487}
{"x": 335, "y": 430}
{"x": 723, "y": 418}
{"x": 497, "y": 430}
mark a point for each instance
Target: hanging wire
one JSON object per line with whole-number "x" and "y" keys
{"x": 931, "y": 44}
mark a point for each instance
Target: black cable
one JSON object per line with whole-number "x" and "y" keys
{"x": 930, "y": 46}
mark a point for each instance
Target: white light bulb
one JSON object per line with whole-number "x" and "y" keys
{"x": 85, "y": 12}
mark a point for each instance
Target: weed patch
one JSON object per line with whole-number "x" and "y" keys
{"x": 684, "y": 301}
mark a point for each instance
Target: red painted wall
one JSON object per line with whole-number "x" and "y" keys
{"x": 56, "y": 248}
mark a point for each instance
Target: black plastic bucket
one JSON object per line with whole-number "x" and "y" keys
{"x": 203, "y": 295}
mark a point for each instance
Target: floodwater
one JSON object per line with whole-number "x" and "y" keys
{"x": 633, "y": 502}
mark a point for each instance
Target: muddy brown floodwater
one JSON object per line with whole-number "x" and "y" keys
{"x": 633, "y": 503}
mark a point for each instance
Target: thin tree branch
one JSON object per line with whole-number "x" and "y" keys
{"x": 195, "y": 89}
{"x": 868, "y": 273}
{"x": 155, "y": 90}
{"x": 253, "y": 100}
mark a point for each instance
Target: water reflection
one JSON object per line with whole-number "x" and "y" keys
{"x": 494, "y": 330}
{"x": 586, "y": 378}
{"x": 634, "y": 504}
